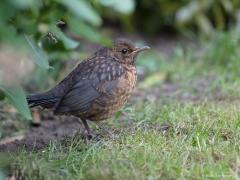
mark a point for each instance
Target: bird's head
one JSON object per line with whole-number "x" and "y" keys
{"x": 125, "y": 51}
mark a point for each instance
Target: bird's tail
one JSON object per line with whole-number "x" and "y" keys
{"x": 45, "y": 100}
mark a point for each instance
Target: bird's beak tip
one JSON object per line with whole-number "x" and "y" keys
{"x": 144, "y": 48}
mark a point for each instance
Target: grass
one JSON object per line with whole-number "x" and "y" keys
{"x": 202, "y": 141}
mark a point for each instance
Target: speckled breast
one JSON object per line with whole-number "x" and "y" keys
{"x": 109, "y": 103}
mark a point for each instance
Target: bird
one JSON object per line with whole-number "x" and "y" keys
{"x": 97, "y": 87}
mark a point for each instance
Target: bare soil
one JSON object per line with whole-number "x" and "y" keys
{"x": 50, "y": 130}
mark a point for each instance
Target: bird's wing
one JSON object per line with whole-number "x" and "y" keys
{"x": 87, "y": 88}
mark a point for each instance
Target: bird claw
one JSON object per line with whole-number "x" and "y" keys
{"x": 109, "y": 133}
{"x": 92, "y": 137}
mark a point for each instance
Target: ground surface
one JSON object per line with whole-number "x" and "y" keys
{"x": 183, "y": 121}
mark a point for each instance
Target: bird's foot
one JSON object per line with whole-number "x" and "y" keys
{"x": 102, "y": 128}
{"x": 92, "y": 137}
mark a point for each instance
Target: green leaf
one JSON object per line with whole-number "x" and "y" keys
{"x": 16, "y": 97}
{"x": 123, "y": 6}
{"x": 68, "y": 43}
{"x": 39, "y": 56}
{"x": 24, "y": 4}
{"x": 83, "y": 10}
{"x": 87, "y": 32}
{"x": 204, "y": 24}
{"x": 187, "y": 12}
{"x": 228, "y": 6}
{"x": 83, "y": 30}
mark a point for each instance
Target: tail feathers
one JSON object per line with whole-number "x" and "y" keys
{"x": 45, "y": 100}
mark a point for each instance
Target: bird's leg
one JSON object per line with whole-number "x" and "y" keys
{"x": 90, "y": 135}
{"x": 87, "y": 128}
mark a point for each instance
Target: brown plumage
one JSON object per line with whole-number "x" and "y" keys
{"x": 97, "y": 87}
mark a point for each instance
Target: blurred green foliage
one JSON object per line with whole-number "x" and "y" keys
{"x": 185, "y": 15}
{"x": 207, "y": 15}
{"x": 224, "y": 49}
{"x": 29, "y": 26}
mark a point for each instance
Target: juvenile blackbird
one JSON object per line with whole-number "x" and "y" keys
{"x": 97, "y": 87}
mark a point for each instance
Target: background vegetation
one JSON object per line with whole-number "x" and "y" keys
{"x": 33, "y": 26}
{"x": 193, "y": 91}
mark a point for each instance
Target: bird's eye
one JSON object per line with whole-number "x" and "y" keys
{"x": 124, "y": 51}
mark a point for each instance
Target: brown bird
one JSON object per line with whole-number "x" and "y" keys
{"x": 97, "y": 87}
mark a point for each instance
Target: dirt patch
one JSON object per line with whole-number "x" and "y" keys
{"x": 49, "y": 131}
